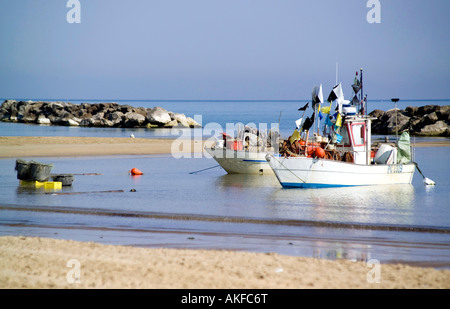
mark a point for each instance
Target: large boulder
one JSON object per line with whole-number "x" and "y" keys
{"x": 7, "y": 104}
{"x": 73, "y": 123}
{"x": 171, "y": 124}
{"x": 43, "y": 120}
{"x": 87, "y": 122}
{"x": 412, "y": 110}
{"x": 192, "y": 123}
{"x": 440, "y": 128}
{"x": 158, "y": 115}
{"x": 377, "y": 113}
{"x": 134, "y": 120}
{"x": 97, "y": 120}
{"x": 444, "y": 113}
{"x": 116, "y": 118}
{"x": 430, "y": 118}
{"x": 396, "y": 122}
{"x": 180, "y": 119}
{"x": 126, "y": 109}
{"x": 427, "y": 109}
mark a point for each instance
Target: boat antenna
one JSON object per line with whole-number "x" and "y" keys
{"x": 395, "y": 100}
{"x": 361, "y": 81}
{"x": 362, "y": 91}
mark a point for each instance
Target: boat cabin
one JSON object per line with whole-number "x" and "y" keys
{"x": 356, "y": 133}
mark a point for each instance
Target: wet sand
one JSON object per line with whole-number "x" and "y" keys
{"x": 36, "y": 146}
{"x": 29, "y": 262}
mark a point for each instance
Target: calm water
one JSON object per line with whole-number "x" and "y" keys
{"x": 174, "y": 208}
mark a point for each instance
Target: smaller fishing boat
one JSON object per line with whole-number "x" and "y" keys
{"x": 246, "y": 152}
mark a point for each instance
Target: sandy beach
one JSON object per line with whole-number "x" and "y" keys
{"x": 37, "y": 146}
{"x": 29, "y": 262}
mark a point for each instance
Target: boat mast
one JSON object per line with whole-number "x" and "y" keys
{"x": 395, "y": 100}
{"x": 368, "y": 121}
{"x": 362, "y": 90}
{"x": 318, "y": 119}
{"x": 368, "y": 140}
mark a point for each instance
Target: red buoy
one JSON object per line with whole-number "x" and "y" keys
{"x": 319, "y": 153}
{"x": 135, "y": 171}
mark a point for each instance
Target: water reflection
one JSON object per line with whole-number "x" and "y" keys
{"x": 351, "y": 204}
{"x": 247, "y": 181}
{"x": 25, "y": 190}
{"x": 393, "y": 204}
{"x": 398, "y": 196}
{"x": 340, "y": 250}
{"x": 135, "y": 179}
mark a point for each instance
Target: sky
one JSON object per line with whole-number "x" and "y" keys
{"x": 222, "y": 49}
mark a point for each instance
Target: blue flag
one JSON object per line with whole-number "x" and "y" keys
{"x": 328, "y": 121}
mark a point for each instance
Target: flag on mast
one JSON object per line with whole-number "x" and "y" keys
{"x": 356, "y": 84}
{"x": 304, "y": 107}
{"x": 317, "y": 95}
{"x": 336, "y": 94}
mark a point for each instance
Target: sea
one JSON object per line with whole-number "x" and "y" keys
{"x": 191, "y": 202}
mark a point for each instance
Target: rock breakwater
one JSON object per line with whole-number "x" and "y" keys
{"x": 92, "y": 115}
{"x": 429, "y": 120}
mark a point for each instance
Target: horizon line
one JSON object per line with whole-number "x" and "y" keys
{"x": 200, "y": 100}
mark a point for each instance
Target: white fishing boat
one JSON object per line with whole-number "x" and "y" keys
{"x": 346, "y": 156}
{"x": 241, "y": 161}
{"x": 359, "y": 169}
{"x": 246, "y": 153}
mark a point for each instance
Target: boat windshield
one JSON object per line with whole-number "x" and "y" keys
{"x": 358, "y": 130}
{"x": 357, "y": 134}
{"x": 345, "y": 139}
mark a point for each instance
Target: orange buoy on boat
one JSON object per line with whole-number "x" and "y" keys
{"x": 135, "y": 171}
{"x": 319, "y": 152}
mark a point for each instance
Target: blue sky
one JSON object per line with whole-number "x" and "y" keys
{"x": 222, "y": 49}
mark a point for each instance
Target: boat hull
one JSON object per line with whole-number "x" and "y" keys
{"x": 241, "y": 161}
{"x": 303, "y": 172}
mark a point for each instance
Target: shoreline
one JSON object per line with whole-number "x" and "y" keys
{"x": 60, "y": 146}
{"x": 32, "y": 262}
